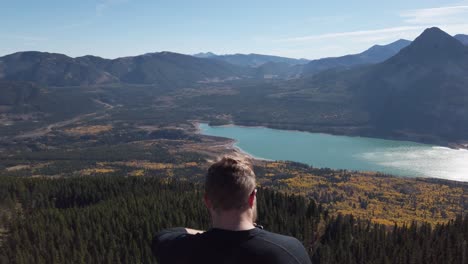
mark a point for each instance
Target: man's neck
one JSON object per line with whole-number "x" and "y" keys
{"x": 233, "y": 221}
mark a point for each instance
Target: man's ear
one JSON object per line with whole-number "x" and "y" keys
{"x": 207, "y": 201}
{"x": 252, "y": 197}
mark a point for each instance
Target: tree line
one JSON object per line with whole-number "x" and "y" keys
{"x": 113, "y": 220}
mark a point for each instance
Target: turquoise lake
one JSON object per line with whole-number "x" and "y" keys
{"x": 401, "y": 158}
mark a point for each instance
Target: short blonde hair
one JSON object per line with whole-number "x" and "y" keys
{"x": 229, "y": 183}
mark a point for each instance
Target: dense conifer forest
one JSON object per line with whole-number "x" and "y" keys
{"x": 113, "y": 219}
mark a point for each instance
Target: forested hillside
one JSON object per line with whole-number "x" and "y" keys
{"x": 163, "y": 68}
{"x": 113, "y": 220}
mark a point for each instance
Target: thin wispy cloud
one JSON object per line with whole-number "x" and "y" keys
{"x": 453, "y": 19}
{"x": 446, "y": 15}
{"x": 360, "y": 33}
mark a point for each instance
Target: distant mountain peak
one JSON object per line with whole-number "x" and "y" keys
{"x": 394, "y": 46}
{"x": 432, "y": 45}
{"x": 208, "y": 54}
{"x": 433, "y": 30}
{"x": 434, "y": 35}
{"x": 158, "y": 53}
{"x": 401, "y": 42}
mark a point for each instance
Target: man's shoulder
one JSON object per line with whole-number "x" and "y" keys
{"x": 281, "y": 247}
{"x": 278, "y": 239}
{"x": 276, "y": 236}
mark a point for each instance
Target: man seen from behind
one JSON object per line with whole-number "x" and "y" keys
{"x": 230, "y": 196}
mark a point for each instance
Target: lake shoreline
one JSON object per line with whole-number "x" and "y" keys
{"x": 358, "y": 153}
{"x": 229, "y": 144}
{"x": 415, "y": 138}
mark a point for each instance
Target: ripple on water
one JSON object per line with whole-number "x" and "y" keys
{"x": 437, "y": 162}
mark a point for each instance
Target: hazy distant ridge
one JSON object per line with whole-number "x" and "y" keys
{"x": 252, "y": 60}
{"x": 375, "y": 54}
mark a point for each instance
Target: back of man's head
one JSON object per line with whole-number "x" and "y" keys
{"x": 229, "y": 183}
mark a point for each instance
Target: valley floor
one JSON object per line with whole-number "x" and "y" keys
{"x": 154, "y": 135}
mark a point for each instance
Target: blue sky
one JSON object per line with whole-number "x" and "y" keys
{"x": 294, "y": 28}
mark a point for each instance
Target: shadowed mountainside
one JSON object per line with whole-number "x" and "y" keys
{"x": 421, "y": 93}
{"x": 17, "y": 93}
{"x": 462, "y": 38}
{"x": 421, "y": 89}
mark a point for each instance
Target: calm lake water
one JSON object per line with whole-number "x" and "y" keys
{"x": 342, "y": 152}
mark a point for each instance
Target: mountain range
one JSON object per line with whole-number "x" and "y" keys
{"x": 280, "y": 67}
{"x": 287, "y": 67}
{"x": 421, "y": 91}
{"x": 167, "y": 68}
{"x": 163, "y": 68}
{"x": 412, "y": 90}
